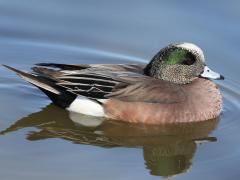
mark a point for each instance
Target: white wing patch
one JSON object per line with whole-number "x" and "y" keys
{"x": 86, "y": 106}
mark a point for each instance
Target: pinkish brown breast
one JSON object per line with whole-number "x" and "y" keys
{"x": 203, "y": 102}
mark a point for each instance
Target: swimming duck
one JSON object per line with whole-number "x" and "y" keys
{"x": 174, "y": 87}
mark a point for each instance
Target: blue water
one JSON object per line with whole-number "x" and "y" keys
{"x": 41, "y": 141}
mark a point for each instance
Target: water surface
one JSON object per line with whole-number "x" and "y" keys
{"x": 40, "y": 140}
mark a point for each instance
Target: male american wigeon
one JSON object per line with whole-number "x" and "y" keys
{"x": 173, "y": 87}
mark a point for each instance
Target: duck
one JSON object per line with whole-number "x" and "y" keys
{"x": 174, "y": 87}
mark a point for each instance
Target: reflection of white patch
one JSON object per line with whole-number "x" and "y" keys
{"x": 84, "y": 120}
{"x": 192, "y": 47}
{"x": 86, "y": 106}
{"x": 208, "y": 73}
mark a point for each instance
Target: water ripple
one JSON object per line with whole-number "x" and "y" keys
{"x": 72, "y": 48}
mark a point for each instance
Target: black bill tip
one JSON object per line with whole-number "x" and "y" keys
{"x": 221, "y": 77}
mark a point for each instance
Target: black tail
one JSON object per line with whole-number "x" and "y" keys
{"x": 49, "y": 86}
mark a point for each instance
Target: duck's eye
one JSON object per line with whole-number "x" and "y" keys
{"x": 189, "y": 59}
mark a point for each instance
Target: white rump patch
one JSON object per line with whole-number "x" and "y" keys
{"x": 192, "y": 47}
{"x": 86, "y": 106}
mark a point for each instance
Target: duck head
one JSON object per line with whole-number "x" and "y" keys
{"x": 180, "y": 63}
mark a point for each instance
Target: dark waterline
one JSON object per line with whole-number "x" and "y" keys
{"x": 40, "y": 141}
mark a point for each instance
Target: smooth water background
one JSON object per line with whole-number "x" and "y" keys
{"x": 48, "y": 145}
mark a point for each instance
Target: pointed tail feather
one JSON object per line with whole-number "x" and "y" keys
{"x": 56, "y": 93}
{"x": 35, "y": 80}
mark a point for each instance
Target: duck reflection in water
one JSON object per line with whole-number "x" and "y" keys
{"x": 167, "y": 149}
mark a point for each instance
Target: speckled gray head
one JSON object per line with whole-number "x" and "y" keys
{"x": 180, "y": 63}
